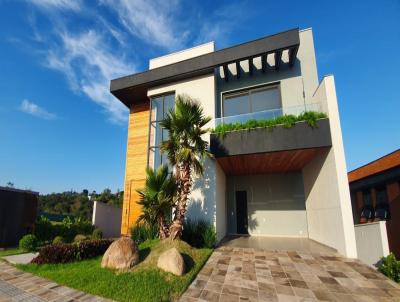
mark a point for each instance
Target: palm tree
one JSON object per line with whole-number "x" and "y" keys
{"x": 186, "y": 150}
{"x": 157, "y": 199}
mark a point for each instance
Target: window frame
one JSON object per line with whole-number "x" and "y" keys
{"x": 150, "y": 147}
{"x": 248, "y": 90}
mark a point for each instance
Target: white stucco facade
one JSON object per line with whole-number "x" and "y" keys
{"x": 313, "y": 202}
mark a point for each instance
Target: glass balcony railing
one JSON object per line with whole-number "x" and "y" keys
{"x": 267, "y": 114}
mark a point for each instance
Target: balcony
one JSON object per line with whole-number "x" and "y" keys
{"x": 279, "y": 148}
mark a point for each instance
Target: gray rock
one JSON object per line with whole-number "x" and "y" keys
{"x": 121, "y": 254}
{"x": 172, "y": 261}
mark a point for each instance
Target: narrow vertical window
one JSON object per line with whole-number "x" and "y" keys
{"x": 160, "y": 106}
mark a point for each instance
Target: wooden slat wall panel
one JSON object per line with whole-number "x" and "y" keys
{"x": 282, "y": 161}
{"x": 136, "y": 163}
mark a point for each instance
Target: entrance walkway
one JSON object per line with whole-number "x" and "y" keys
{"x": 16, "y": 285}
{"x": 277, "y": 244}
{"x": 248, "y": 274}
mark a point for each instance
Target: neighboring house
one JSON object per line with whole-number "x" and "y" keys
{"x": 375, "y": 195}
{"x": 273, "y": 182}
{"x": 18, "y": 210}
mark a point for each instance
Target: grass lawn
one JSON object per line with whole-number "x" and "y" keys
{"x": 143, "y": 283}
{"x": 13, "y": 251}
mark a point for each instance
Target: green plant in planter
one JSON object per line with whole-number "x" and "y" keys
{"x": 287, "y": 121}
{"x": 28, "y": 243}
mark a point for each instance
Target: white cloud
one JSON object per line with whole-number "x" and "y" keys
{"x": 74, "y": 5}
{"x": 152, "y": 21}
{"x": 33, "y": 109}
{"x": 89, "y": 66}
{"x": 98, "y": 49}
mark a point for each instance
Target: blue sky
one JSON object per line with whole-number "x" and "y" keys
{"x": 61, "y": 129}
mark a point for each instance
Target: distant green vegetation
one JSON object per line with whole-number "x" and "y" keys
{"x": 77, "y": 204}
{"x": 311, "y": 117}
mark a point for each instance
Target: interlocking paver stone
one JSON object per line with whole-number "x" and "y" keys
{"x": 16, "y": 286}
{"x": 247, "y": 274}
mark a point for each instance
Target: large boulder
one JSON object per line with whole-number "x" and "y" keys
{"x": 172, "y": 261}
{"x": 121, "y": 254}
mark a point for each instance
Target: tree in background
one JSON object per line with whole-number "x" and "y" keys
{"x": 77, "y": 204}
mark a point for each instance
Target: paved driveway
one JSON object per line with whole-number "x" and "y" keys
{"x": 247, "y": 274}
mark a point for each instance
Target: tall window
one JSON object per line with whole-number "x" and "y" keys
{"x": 160, "y": 106}
{"x": 252, "y": 100}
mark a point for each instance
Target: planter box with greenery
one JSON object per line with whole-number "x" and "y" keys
{"x": 257, "y": 137}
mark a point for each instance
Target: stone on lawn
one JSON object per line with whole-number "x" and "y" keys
{"x": 121, "y": 254}
{"x": 172, "y": 261}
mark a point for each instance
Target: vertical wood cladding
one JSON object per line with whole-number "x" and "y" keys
{"x": 136, "y": 163}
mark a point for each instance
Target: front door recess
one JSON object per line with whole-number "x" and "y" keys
{"x": 241, "y": 212}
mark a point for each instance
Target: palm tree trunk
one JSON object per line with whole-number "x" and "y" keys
{"x": 163, "y": 231}
{"x": 185, "y": 185}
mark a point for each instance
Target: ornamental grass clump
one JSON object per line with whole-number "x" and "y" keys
{"x": 287, "y": 121}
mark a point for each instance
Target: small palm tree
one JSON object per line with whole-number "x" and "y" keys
{"x": 157, "y": 199}
{"x": 186, "y": 150}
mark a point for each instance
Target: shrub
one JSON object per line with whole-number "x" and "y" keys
{"x": 58, "y": 240}
{"x": 79, "y": 238}
{"x": 288, "y": 120}
{"x": 45, "y": 231}
{"x": 209, "y": 236}
{"x": 390, "y": 267}
{"x": 143, "y": 231}
{"x": 63, "y": 253}
{"x": 28, "y": 243}
{"x": 97, "y": 234}
{"x": 199, "y": 233}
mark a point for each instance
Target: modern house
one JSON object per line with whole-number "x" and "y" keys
{"x": 375, "y": 197}
{"x": 288, "y": 182}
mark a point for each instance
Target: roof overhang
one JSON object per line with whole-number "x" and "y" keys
{"x": 133, "y": 89}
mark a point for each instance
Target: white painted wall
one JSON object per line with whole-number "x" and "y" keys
{"x": 107, "y": 218}
{"x": 182, "y": 55}
{"x": 275, "y": 202}
{"x": 207, "y": 199}
{"x": 372, "y": 241}
{"x": 329, "y": 213}
{"x": 220, "y": 202}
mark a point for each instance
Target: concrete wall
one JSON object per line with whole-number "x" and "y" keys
{"x": 372, "y": 241}
{"x": 293, "y": 81}
{"x": 275, "y": 202}
{"x": 182, "y": 55}
{"x": 328, "y": 204}
{"x": 220, "y": 202}
{"x": 107, "y": 218}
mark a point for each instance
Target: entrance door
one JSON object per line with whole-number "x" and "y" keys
{"x": 241, "y": 212}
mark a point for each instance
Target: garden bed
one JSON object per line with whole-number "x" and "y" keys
{"x": 143, "y": 283}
